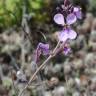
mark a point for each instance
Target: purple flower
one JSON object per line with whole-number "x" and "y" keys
{"x": 59, "y": 19}
{"x": 44, "y": 48}
{"x": 70, "y": 19}
{"x": 67, "y": 32}
{"x": 66, "y": 50}
{"x": 77, "y": 12}
{"x": 41, "y": 49}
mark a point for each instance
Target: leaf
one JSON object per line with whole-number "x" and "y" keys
{"x": 43, "y": 36}
{"x": 35, "y": 5}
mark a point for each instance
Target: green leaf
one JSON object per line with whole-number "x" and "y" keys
{"x": 35, "y": 5}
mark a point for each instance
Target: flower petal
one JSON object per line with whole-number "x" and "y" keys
{"x": 63, "y": 36}
{"x": 45, "y": 52}
{"x": 66, "y": 50}
{"x": 77, "y": 12}
{"x": 71, "y": 34}
{"x": 71, "y": 18}
{"x": 59, "y": 19}
{"x": 76, "y": 9}
{"x": 44, "y": 48}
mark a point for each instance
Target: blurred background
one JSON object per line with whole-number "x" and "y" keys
{"x": 25, "y": 23}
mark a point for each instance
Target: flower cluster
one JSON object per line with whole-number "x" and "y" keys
{"x": 65, "y": 22}
{"x": 66, "y": 18}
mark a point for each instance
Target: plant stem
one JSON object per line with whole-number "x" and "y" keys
{"x": 13, "y": 85}
{"x": 39, "y": 68}
{"x": 65, "y": 2}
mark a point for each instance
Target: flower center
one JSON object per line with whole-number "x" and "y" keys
{"x": 66, "y": 25}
